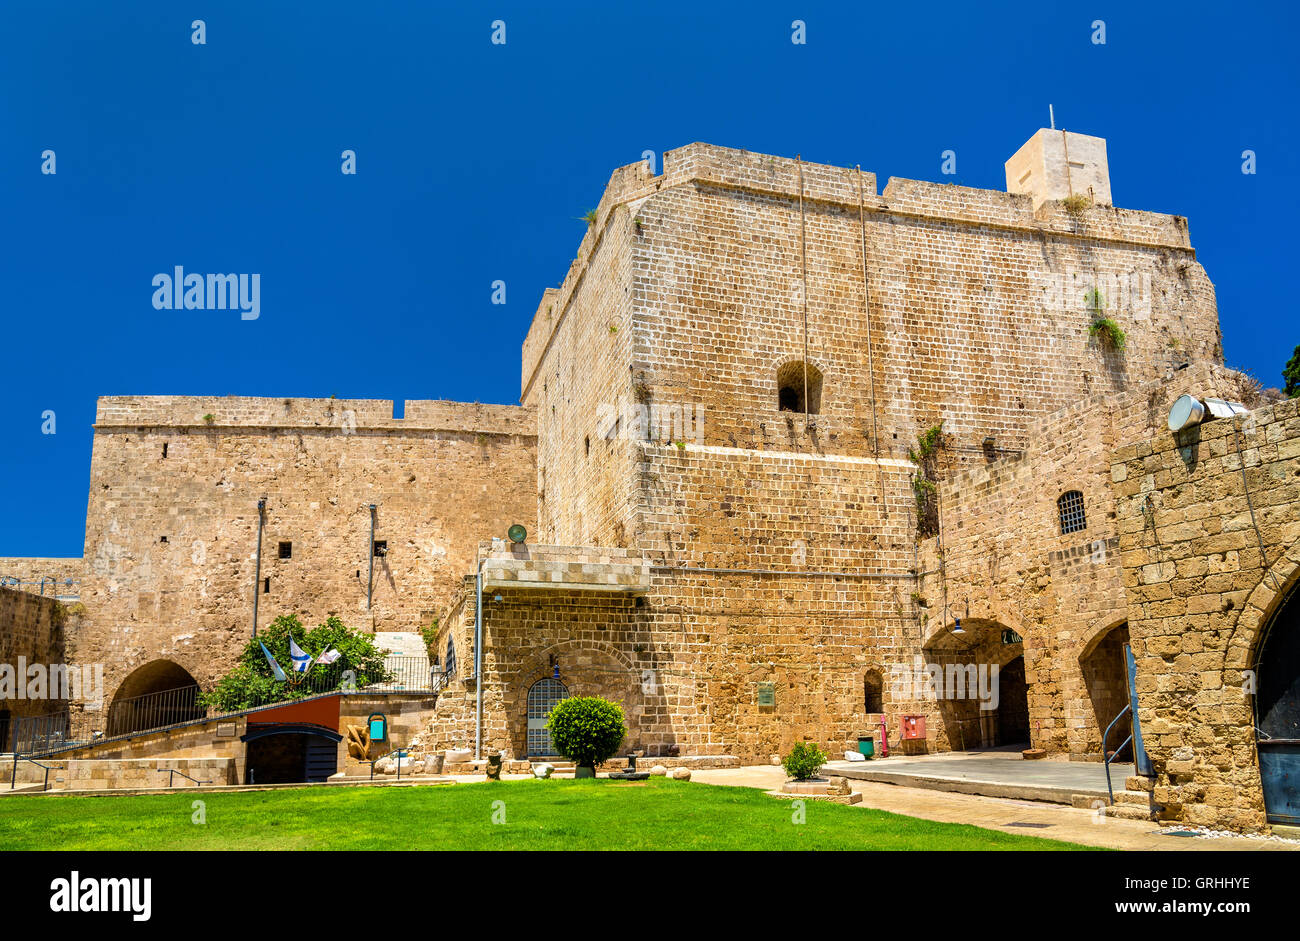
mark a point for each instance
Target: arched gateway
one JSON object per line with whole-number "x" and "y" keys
{"x": 1277, "y": 713}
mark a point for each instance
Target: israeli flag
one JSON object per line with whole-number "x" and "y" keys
{"x": 275, "y": 667}
{"x": 301, "y": 658}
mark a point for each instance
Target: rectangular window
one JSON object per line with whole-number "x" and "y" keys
{"x": 286, "y": 550}
{"x": 381, "y": 547}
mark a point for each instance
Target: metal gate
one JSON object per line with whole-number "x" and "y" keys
{"x": 542, "y": 697}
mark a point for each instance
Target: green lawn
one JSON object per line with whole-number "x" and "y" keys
{"x": 555, "y": 815}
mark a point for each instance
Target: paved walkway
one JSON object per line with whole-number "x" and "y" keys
{"x": 1008, "y": 815}
{"x": 992, "y": 773}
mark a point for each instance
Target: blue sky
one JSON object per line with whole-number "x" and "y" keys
{"x": 475, "y": 162}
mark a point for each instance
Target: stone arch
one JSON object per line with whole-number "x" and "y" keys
{"x": 158, "y": 694}
{"x": 791, "y": 394}
{"x": 587, "y": 668}
{"x": 1104, "y": 694}
{"x": 1276, "y": 585}
{"x": 965, "y": 722}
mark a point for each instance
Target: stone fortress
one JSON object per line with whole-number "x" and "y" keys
{"x": 734, "y": 526}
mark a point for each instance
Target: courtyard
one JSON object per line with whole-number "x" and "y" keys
{"x": 599, "y": 814}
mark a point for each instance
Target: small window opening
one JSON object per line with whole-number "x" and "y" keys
{"x": 162, "y": 538}
{"x": 286, "y": 550}
{"x": 381, "y": 548}
{"x": 1070, "y": 506}
{"x": 164, "y": 451}
{"x": 266, "y": 586}
{"x": 873, "y": 690}
{"x": 791, "y": 395}
{"x": 586, "y": 444}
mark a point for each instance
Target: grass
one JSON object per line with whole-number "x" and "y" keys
{"x": 539, "y": 815}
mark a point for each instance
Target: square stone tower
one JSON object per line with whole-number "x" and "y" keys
{"x": 1055, "y": 164}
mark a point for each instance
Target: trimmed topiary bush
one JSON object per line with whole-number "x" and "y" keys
{"x": 804, "y": 761}
{"x": 586, "y": 729}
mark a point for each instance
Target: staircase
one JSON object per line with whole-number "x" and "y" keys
{"x": 1132, "y": 803}
{"x": 402, "y": 643}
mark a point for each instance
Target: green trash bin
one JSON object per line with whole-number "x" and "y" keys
{"x": 866, "y": 746}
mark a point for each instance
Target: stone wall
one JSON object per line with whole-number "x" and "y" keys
{"x": 55, "y": 577}
{"x": 33, "y": 629}
{"x": 172, "y": 524}
{"x": 1209, "y": 528}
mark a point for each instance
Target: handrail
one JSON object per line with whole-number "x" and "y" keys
{"x": 13, "y": 780}
{"x": 171, "y": 781}
{"x": 399, "y": 752}
{"x": 1108, "y": 758}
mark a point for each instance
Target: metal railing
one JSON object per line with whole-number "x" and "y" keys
{"x": 13, "y": 781}
{"x": 38, "y": 586}
{"x": 67, "y": 728}
{"x": 171, "y": 781}
{"x": 1111, "y": 757}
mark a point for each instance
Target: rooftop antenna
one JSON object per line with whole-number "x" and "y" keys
{"x": 1051, "y": 116}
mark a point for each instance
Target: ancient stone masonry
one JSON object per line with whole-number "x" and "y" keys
{"x": 1209, "y": 529}
{"x": 714, "y": 461}
{"x": 172, "y": 524}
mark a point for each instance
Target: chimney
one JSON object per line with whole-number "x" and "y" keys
{"x": 1055, "y": 164}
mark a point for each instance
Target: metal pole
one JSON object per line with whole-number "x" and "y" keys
{"x": 257, "y": 575}
{"x": 370, "y": 575}
{"x": 478, "y": 662}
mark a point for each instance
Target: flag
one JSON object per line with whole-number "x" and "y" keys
{"x": 301, "y": 658}
{"x": 275, "y": 667}
{"x": 329, "y": 656}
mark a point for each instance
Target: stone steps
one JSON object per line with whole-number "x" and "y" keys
{"x": 402, "y": 643}
{"x": 1128, "y": 805}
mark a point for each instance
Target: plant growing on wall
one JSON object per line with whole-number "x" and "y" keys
{"x": 430, "y": 634}
{"x": 926, "y": 458}
{"x": 1077, "y": 204}
{"x": 209, "y": 419}
{"x": 1109, "y": 333}
{"x": 252, "y": 682}
{"x": 589, "y": 217}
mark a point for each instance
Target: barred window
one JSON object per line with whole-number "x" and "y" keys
{"x": 1070, "y": 506}
{"x": 450, "y": 665}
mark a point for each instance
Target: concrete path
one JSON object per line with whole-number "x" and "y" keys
{"x": 997, "y": 773}
{"x": 1048, "y": 820}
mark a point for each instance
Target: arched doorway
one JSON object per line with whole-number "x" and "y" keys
{"x": 542, "y": 697}
{"x": 158, "y": 694}
{"x": 1013, "y": 705}
{"x": 289, "y": 753}
{"x": 1106, "y": 681}
{"x": 1277, "y": 713}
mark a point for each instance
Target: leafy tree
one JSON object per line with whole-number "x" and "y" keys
{"x": 251, "y": 682}
{"x": 586, "y": 729}
{"x": 1292, "y": 375}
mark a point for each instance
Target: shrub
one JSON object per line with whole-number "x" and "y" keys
{"x": 804, "y": 760}
{"x": 586, "y": 729}
{"x": 1109, "y": 332}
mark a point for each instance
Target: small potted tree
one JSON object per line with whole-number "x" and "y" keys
{"x": 804, "y": 761}
{"x": 587, "y": 730}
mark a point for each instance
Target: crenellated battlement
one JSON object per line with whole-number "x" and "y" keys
{"x": 228, "y": 413}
